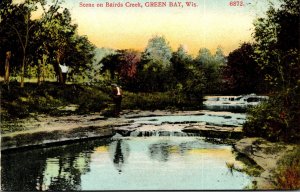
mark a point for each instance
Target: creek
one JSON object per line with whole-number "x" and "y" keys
{"x": 157, "y": 155}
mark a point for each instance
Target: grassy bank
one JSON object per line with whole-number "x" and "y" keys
{"x": 159, "y": 101}
{"x": 54, "y": 99}
{"x": 49, "y": 98}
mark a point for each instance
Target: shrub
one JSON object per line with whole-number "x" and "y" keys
{"x": 276, "y": 119}
{"x": 287, "y": 175}
{"x": 159, "y": 100}
{"x": 19, "y": 102}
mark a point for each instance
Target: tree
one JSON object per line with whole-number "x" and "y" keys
{"x": 180, "y": 63}
{"x": 154, "y": 69}
{"x": 277, "y": 44}
{"x": 60, "y": 35}
{"x": 58, "y": 42}
{"x": 242, "y": 71}
{"x": 129, "y": 60}
{"x": 158, "y": 51}
{"x": 41, "y": 39}
{"x": 18, "y": 17}
{"x": 210, "y": 66}
{"x": 123, "y": 63}
{"x": 51, "y": 39}
{"x": 278, "y": 59}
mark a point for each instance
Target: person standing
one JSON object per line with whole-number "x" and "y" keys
{"x": 117, "y": 98}
{"x": 64, "y": 70}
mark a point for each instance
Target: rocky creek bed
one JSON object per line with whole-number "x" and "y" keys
{"x": 47, "y": 131}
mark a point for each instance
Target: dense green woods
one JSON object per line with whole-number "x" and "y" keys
{"x": 277, "y": 54}
{"x": 34, "y": 48}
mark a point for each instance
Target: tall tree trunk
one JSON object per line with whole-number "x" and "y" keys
{"x": 39, "y": 72}
{"x": 7, "y": 61}
{"x": 44, "y": 59}
{"x": 23, "y": 68}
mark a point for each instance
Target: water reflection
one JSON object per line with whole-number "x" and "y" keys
{"x": 160, "y": 151}
{"x": 56, "y": 168}
{"x": 120, "y": 154}
{"x": 131, "y": 163}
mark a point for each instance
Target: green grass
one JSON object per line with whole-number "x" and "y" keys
{"x": 159, "y": 100}
{"x": 50, "y": 98}
{"x": 54, "y": 99}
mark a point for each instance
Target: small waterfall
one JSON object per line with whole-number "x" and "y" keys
{"x": 232, "y": 103}
{"x": 162, "y": 134}
{"x": 241, "y": 98}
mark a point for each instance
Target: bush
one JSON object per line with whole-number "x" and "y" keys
{"x": 19, "y": 102}
{"x": 91, "y": 100}
{"x": 276, "y": 119}
{"x": 159, "y": 100}
{"x": 287, "y": 175}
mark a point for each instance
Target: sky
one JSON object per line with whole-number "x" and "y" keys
{"x": 211, "y": 24}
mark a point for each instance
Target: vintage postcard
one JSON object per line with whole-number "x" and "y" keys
{"x": 149, "y": 95}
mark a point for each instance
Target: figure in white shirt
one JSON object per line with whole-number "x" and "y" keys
{"x": 117, "y": 98}
{"x": 64, "y": 70}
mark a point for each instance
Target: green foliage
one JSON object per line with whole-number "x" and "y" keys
{"x": 91, "y": 100}
{"x": 49, "y": 40}
{"x": 48, "y": 98}
{"x": 158, "y": 51}
{"x": 279, "y": 118}
{"x": 276, "y": 119}
{"x": 277, "y": 45}
{"x": 242, "y": 73}
{"x": 158, "y": 100}
{"x": 210, "y": 67}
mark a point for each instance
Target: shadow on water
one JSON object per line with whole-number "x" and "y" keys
{"x": 55, "y": 168}
{"x": 120, "y": 154}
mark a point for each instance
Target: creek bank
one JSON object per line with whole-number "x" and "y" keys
{"x": 46, "y": 130}
{"x": 266, "y": 155}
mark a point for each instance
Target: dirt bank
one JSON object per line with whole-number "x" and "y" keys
{"x": 266, "y": 155}
{"x": 57, "y": 130}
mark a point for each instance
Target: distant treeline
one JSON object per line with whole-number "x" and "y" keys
{"x": 34, "y": 48}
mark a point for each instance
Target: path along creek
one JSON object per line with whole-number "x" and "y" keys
{"x": 154, "y": 152}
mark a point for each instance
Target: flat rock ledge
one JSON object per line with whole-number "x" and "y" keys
{"x": 201, "y": 129}
{"x": 61, "y": 130}
{"x": 265, "y": 154}
{"x": 214, "y": 131}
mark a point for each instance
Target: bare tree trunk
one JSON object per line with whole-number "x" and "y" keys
{"x": 23, "y": 69}
{"x": 39, "y": 72}
{"x": 44, "y": 67}
{"x": 7, "y": 73}
{"x": 59, "y": 72}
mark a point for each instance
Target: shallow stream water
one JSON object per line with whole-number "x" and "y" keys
{"x": 125, "y": 163}
{"x": 157, "y": 162}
